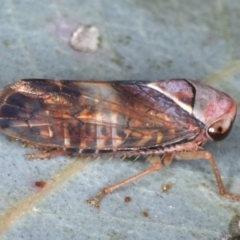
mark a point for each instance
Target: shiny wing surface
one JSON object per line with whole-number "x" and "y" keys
{"x": 93, "y": 115}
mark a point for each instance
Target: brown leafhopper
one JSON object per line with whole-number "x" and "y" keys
{"x": 162, "y": 120}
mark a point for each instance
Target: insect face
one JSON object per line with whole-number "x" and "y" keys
{"x": 215, "y": 109}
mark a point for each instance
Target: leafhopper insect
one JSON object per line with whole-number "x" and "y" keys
{"x": 162, "y": 120}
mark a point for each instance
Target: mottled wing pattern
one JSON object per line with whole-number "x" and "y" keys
{"x": 93, "y": 115}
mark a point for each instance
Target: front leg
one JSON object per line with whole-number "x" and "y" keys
{"x": 208, "y": 156}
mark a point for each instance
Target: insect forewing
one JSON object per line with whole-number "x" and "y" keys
{"x": 122, "y": 115}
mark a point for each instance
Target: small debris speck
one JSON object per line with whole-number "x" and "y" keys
{"x": 85, "y": 39}
{"x": 127, "y": 199}
{"x": 40, "y": 184}
{"x": 166, "y": 187}
{"x": 145, "y": 214}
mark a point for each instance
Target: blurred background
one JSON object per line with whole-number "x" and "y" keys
{"x": 128, "y": 40}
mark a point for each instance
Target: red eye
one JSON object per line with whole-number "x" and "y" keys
{"x": 220, "y": 129}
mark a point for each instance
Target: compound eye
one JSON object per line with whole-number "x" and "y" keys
{"x": 219, "y": 130}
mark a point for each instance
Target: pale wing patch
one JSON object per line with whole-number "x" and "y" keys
{"x": 175, "y": 99}
{"x": 67, "y": 142}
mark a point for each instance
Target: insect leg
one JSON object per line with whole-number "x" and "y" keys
{"x": 208, "y": 156}
{"x": 45, "y": 154}
{"x": 156, "y": 165}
